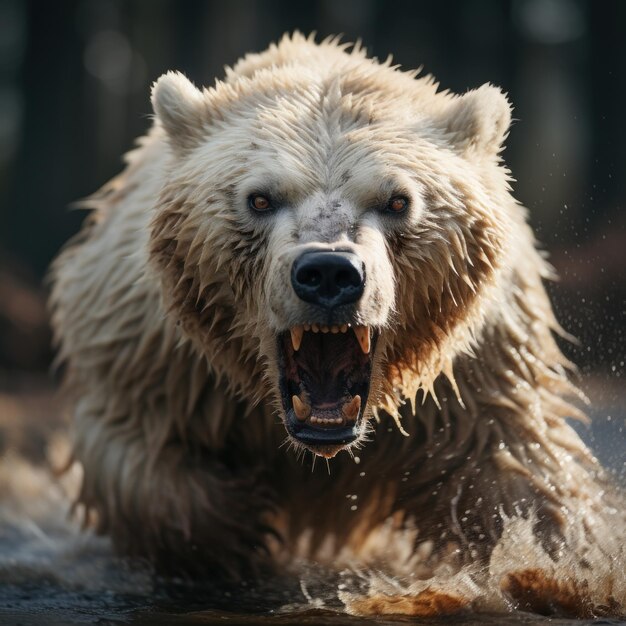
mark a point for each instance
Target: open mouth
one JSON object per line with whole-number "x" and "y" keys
{"x": 324, "y": 380}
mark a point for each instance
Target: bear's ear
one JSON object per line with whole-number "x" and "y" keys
{"x": 479, "y": 120}
{"x": 181, "y": 108}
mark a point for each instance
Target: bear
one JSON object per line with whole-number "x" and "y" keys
{"x": 319, "y": 257}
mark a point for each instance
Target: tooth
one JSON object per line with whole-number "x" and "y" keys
{"x": 363, "y": 336}
{"x": 324, "y": 329}
{"x": 314, "y": 420}
{"x": 296, "y": 337}
{"x": 307, "y": 327}
{"x": 315, "y": 328}
{"x": 344, "y": 328}
{"x": 351, "y": 409}
{"x": 334, "y": 329}
{"x": 301, "y": 410}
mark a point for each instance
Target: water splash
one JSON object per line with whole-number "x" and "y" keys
{"x": 50, "y": 566}
{"x": 586, "y": 577}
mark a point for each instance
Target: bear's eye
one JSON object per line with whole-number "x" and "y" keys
{"x": 260, "y": 203}
{"x": 397, "y": 204}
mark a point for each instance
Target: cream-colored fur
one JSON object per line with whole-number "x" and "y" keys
{"x": 167, "y": 306}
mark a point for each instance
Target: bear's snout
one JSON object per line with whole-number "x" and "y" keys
{"x": 328, "y": 279}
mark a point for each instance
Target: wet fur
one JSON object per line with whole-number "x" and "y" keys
{"x": 168, "y": 341}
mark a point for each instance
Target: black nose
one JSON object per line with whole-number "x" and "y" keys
{"x": 328, "y": 279}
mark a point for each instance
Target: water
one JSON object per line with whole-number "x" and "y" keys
{"x": 52, "y": 572}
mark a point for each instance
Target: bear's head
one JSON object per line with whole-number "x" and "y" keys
{"x": 330, "y": 230}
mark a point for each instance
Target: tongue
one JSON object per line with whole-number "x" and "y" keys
{"x": 326, "y": 388}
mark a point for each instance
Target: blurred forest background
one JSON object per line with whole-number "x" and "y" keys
{"x": 75, "y": 77}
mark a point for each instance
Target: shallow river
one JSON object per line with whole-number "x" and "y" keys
{"x": 52, "y": 573}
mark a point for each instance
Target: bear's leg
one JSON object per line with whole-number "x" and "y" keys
{"x": 184, "y": 510}
{"x": 428, "y": 603}
{"x": 537, "y": 591}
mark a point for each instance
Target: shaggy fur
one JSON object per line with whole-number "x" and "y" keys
{"x": 167, "y": 306}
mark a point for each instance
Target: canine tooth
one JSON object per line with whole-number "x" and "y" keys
{"x": 301, "y": 409}
{"x": 351, "y": 409}
{"x": 363, "y": 336}
{"x": 315, "y": 328}
{"x": 334, "y": 329}
{"x": 344, "y": 328}
{"x": 296, "y": 337}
